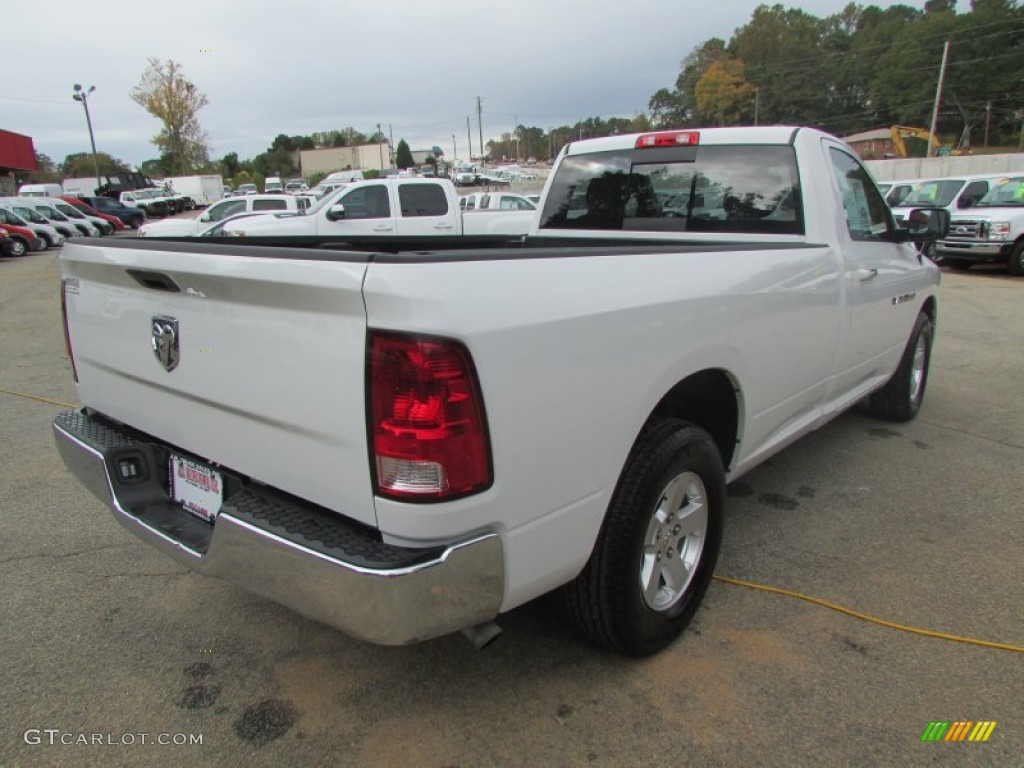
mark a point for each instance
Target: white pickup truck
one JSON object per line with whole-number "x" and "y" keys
{"x": 391, "y": 207}
{"x": 223, "y": 210}
{"x": 991, "y": 232}
{"x": 408, "y": 444}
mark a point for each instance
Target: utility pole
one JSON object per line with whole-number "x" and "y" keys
{"x": 455, "y": 152}
{"x": 380, "y": 147}
{"x": 938, "y": 98}
{"x": 988, "y": 119}
{"x": 391, "y": 146}
{"x": 82, "y": 95}
{"x": 480, "y": 126}
{"x": 517, "y": 137}
{"x": 757, "y": 102}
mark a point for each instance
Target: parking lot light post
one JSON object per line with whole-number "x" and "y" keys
{"x": 82, "y": 95}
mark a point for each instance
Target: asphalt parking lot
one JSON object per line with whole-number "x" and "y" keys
{"x": 920, "y": 524}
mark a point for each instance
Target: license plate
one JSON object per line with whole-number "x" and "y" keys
{"x": 196, "y": 487}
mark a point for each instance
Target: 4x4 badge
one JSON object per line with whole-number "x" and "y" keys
{"x": 165, "y": 341}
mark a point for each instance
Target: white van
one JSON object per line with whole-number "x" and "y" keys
{"x": 100, "y": 226}
{"x": 40, "y": 190}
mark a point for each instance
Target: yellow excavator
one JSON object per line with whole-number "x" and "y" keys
{"x": 909, "y": 141}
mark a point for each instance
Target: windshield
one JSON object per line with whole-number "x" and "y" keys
{"x": 52, "y": 213}
{"x": 28, "y": 213}
{"x": 939, "y": 193}
{"x": 69, "y": 210}
{"x": 12, "y": 218}
{"x": 1007, "y": 192}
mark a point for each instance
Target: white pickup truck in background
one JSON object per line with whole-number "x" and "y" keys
{"x": 225, "y": 209}
{"x": 407, "y": 444}
{"x": 391, "y": 207}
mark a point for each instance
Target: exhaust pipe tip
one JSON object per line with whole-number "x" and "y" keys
{"x": 482, "y": 635}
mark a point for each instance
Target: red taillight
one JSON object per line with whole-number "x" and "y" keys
{"x": 668, "y": 139}
{"x": 428, "y": 432}
{"x": 64, "y": 317}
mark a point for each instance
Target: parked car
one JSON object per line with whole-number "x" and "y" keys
{"x": 59, "y": 221}
{"x": 247, "y": 189}
{"x": 295, "y": 186}
{"x": 953, "y": 194}
{"x": 141, "y": 198}
{"x": 102, "y": 227}
{"x": 131, "y": 216}
{"x": 27, "y": 217}
{"x": 991, "y": 232}
{"x": 896, "y": 191}
{"x": 25, "y": 239}
{"x": 7, "y": 244}
{"x": 88, "y": 210}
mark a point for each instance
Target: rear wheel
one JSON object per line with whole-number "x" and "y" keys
{"x": 657, "y": 549}
{"x": 900, "y": 399}
{"x": 1016, "y": 263}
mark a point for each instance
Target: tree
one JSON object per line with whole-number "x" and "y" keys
{"x": 46, "y": 171}
{"x": 79, "y": 165}
{"x": 722, "y": 92}
{"x": 403, "y": 155}
{"x": 166, "y": 94}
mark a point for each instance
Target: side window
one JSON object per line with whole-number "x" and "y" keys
{"x": 269, "y": 205}
{"x": 867, "y": 215}
{"x": 367, "y": 203}
{"x": 485, "y": 202}
{"x": 422, "y": 200}
{"x": 220, "y": 212}
{"x": 302, "y": 203}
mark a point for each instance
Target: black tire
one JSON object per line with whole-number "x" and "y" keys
{"x": 900, "y": 399}
{"x": 1015, "y": 265}
{"x": 959, "y": 264}
{"x": 671, "y": 460}
{"x": 19, "y": 247}
{"x": 135, "y": 221}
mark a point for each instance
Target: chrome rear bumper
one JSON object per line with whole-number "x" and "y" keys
{"x": 305, "y": 558}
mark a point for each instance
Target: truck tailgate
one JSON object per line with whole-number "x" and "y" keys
{"x": 269, "y": 376}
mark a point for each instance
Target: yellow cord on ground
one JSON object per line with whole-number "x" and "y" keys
{"x": 866, "y": 617}
{"x": 36, "y": 397}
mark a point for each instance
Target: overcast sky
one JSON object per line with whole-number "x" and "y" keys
{"x": 298, "y": 67}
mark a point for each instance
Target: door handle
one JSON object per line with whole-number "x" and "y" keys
{"x": 867, "y": 274}
{"x": 444, "y": 226}
{"x": 382, "y": 228}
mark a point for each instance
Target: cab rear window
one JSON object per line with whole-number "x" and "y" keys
{"x": 727, "y": 189}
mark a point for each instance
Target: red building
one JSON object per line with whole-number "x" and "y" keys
{"x": 17, "y": 155}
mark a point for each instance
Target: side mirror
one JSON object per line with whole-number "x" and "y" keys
{"x": 336, "y": 212}
{"x": 924, "y": 225}
{"x": 205, "y": 216}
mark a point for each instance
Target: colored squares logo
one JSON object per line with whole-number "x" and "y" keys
{"x": 958, "y": 730}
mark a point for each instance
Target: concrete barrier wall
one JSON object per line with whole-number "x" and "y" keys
{"x": 945, "y": 167}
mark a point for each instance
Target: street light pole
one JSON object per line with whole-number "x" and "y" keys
{"x": 83, "y": 96}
